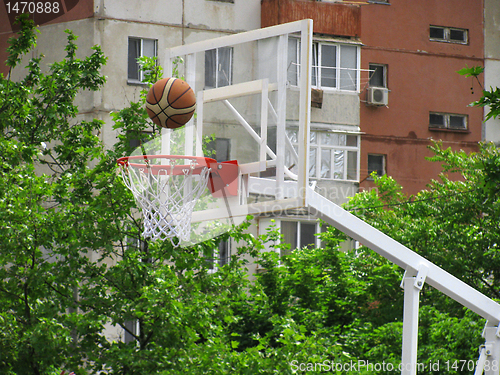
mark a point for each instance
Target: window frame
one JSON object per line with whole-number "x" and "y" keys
{"x": 298, "y": 234}
{"x": 218, "y": 69}
{"x": 447, "y": 118}
{"x": 384, "y": 68}
{"x": 318, "y": 67}
{"x": 447, "y": 32}
{"x": 317, "y": 146}
{"x": 384, "y": 165}
{"x": 140, "y": 73}
{"x": 213, "y": 263}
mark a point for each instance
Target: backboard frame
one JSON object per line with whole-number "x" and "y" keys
{"x": 288, "y": 189}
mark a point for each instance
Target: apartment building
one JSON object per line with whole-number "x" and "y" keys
{"x": 415, "y": 94}
{"x": 384, "y": 81}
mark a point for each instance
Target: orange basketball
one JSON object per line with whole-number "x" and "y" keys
{"x": 170, "y": 103}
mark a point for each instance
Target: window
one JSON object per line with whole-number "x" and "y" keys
{"x": 376, "y": 163}
{"x": 378, "y": 75}
{"x": 219, "y": 67}
{"x": 219, "y": 149}
{"x": 332, "y": 156}
{"x": 218, "y": 257}
{"x": 448, "y": 34}
{"x": 299, "y": 234}
{"x": 447, "y": 121}
{"x": 224, "y": 253}
{"x": 335, "y": 66}
{"x": 138, "y": 48}
{"x": 131, "y": 330}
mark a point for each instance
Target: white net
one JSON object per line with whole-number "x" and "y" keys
{"x": 166, "y": 193}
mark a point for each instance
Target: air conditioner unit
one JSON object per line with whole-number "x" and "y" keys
{"x": 378, "y": 96}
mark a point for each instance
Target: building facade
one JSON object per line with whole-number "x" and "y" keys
{"x": 415, "y": 57}
{"x": 381, "y": 95}
{"x": 384, "y": 78}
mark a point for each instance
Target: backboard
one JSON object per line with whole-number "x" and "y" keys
{"x": 253, "y": 95}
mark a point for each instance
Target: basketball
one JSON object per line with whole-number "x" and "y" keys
{"x": 170, "y": 103}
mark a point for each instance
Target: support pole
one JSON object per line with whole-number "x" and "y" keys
{"x": 412, "y": 284}
{"x": 489, "y": 359}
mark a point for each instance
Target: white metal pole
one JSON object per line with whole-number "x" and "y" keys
{"x": 491, "y": 335}
{"x": 410, "y": 324}
{"x": 281, "y": 111}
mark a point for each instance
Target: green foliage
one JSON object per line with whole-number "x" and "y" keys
{"x": 453, "y": 223}
{"x": 75, "y": 269}
{"x": 490, "y": 98}
{"x": 474, "y": 71}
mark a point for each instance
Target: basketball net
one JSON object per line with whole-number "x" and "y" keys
{"x": 166, "y": 194}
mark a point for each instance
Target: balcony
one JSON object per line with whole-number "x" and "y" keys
{"x": 329, "y": 18}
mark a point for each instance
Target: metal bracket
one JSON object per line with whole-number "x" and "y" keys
{"x": 484, "y": 352}
{"x": 421, "y": 276}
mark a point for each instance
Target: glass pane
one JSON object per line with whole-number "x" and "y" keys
{"x": 457, "y": 35}
{"x": 307, "y": 237}
{"x": 457, "y": 122}
{"x": 328, "y": 64}
{"x": 376, "y": 164}
{"x": 292, "y": 63}
{"x": 224, "y": 255}
{"x": 338, "y": 164}
{"x": 377, "y": 75}
{"x": 313, "y": 137}
{"x": 289, "y": 233}
{"x": 352, "y": 140}
{"x": 333, "y": 139}
{"x": 437, "y": 32}
{"x": 348, "y": 64}
{"x": 436, "y": 120}
{"x": 352, "y": 165}
{"x": 149, "y": 47}
{"x": 326, "y": 163}
{"x": 312, "y": 162}
{"x": 134, "y": 51}
{"x": 148, "y": 50}
{"x": 292, "y": 135}
{"x": 224, "y": 76}
{"x": 314, "y": 69}
{"x": 210, "y": 64}
{"x": 131, "y": 326}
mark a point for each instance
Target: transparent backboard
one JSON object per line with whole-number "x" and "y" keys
{"x": 253, "y": 95}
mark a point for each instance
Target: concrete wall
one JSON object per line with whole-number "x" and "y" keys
{"x": 491, "y": 131}
{"x": 192, "y": 14}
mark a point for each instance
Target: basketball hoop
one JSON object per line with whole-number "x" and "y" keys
{"x": 166, "y": 192}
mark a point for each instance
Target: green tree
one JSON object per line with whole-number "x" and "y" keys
{"x": 453, "y": 223}
{"x": 73, "y": 261}
{"x": 41, "y": 234}
{"x": 74, "y": 265}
